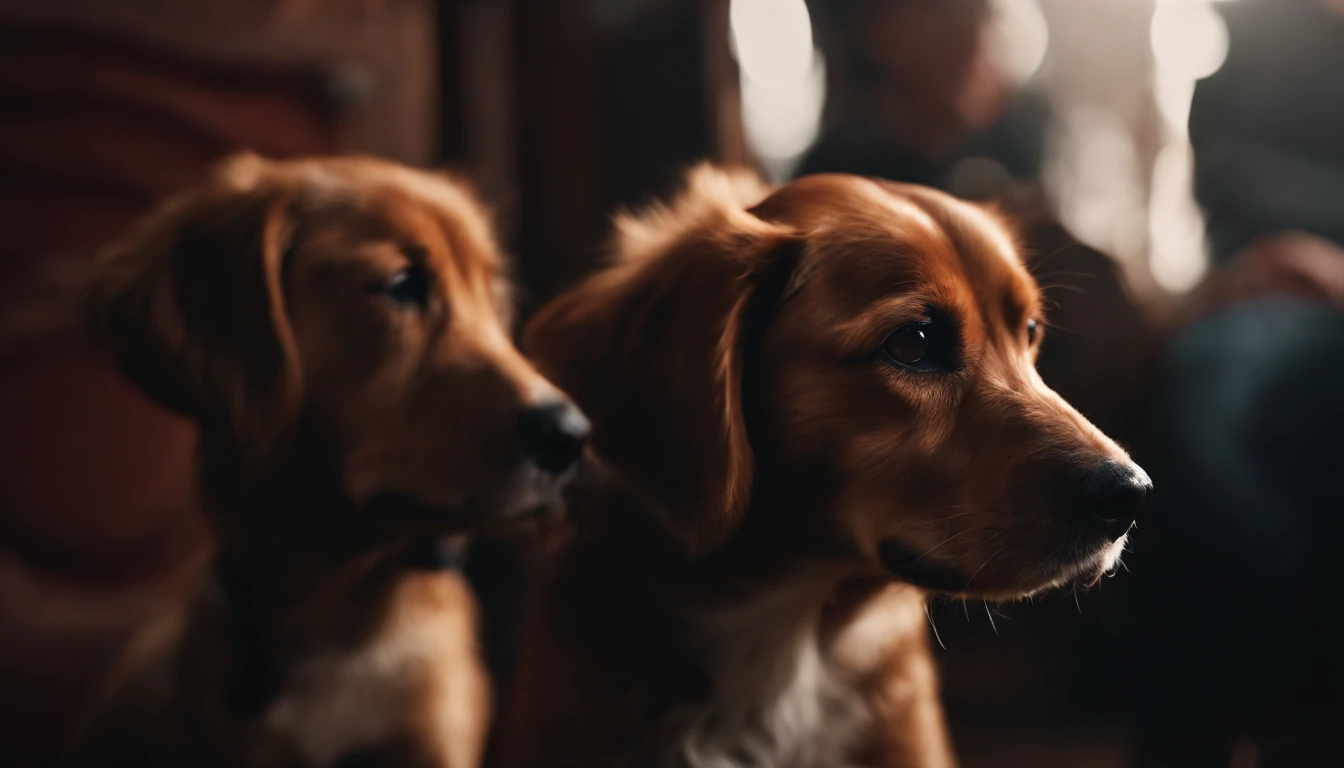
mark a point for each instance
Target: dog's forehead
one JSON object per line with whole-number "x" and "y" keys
{"x": 980, "y": 241}
{"x": 370, "y": 200}
{"x": 872, "y": 238}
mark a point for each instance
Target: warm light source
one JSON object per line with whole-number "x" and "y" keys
{"x": 772, "y": 40}
{"x": 783, "y": 79}
{"x": 1096, "y": 181}
{"x": 1189, "y": 41}
{"x": 1178, "y": 253}
{"x": 1019, "y": 37}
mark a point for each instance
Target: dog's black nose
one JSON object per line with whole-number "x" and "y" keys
{"x": 1113, "y": 494}
{"x": 553, "y": 435}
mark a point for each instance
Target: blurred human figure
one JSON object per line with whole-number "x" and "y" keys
{"x": 1243, "y": 661}
{"x": 914, "y": 90}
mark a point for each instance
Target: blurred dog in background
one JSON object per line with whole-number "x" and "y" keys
{"x": 339, "y": 330}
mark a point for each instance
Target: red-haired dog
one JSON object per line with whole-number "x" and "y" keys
{"x": 819, "y": 405}
{"x": 339, "y": 329}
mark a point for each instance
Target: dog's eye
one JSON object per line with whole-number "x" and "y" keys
{"x": 1032, "y": 332}
{"x": 910, "y": 345}
{"x": 409, "y": 287}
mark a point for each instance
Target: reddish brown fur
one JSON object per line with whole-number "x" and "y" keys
{"x": 257, "y": 305}
{"x": 764, "y": 457}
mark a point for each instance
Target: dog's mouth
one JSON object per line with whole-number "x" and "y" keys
{"x": 985, "y": 580}
{"x": 532, "y": 500}
{"x": 915, "y": 567}
{"x": 535, "y": 496}
{"x": 1088, "y": 571}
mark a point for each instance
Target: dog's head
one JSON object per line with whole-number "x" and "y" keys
{"x": 346, "y": 307}
{"x": 861, "y": 354}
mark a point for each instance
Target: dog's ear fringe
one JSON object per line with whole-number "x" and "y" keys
{"x": 146, "y": 284}
{"x": 677, "y": 292}
{"x": 711, "y": 195}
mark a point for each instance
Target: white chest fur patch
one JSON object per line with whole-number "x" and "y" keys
{"x": 337, "y": 702}
{"x": 779, "y": 700}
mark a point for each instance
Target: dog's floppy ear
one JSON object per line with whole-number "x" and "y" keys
{"x": 191, "y": 304}
{"x": 652, "y": 350}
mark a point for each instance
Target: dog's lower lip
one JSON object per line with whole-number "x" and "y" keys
{"x": 911, "y": 566}
{"x": 1091, "y": 577}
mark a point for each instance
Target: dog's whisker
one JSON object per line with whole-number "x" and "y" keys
{"x": 982, "y": 566}
{"x": 1062, "y": 287}
{"x": 930, "y": 523}
{"x": 1065, "y": 273}
{"x": 1041, "y": 262}
{"x": 955, "y": 536}
{"x": 967, "y": 554}
{"x": 936, "y": 636}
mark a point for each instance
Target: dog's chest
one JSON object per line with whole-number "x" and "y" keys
{"x": 779, "y": 700}
{"x": 340, "y": 702}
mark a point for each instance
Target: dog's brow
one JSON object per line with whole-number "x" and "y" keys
{"x": 1015, "y": 310}
{"x": 415, "y": 253}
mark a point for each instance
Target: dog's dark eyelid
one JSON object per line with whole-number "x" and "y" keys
{"x": 417, "y": 254}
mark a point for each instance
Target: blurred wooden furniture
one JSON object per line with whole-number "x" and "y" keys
{"x": 564, "y": 110}
{"x": 110, "y": 106}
